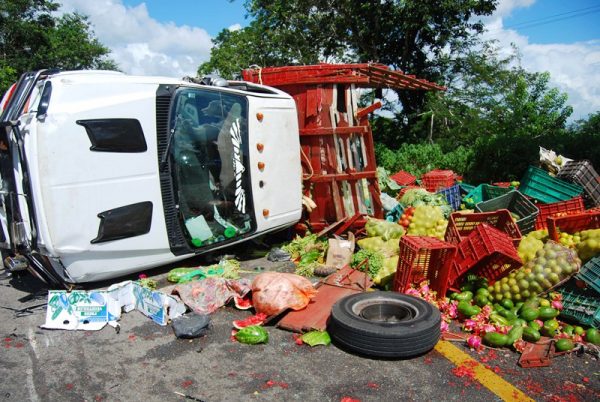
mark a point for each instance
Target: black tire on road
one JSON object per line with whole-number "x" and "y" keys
{"x": 384, "y": 324}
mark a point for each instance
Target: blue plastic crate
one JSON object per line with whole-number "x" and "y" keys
{"x": 452, "y": 194}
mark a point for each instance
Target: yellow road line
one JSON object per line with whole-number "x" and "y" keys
{"x": 485, "y": 376}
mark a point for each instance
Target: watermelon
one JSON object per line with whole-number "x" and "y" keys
{"x": 257, "y": 319}
{"x": 252, "y": 335}
{"x": 243, "y": 303}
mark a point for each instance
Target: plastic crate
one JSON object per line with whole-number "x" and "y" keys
{"x": 436, "y": 179}
{"x": 487, "y": 252}
{"x": 516, "y": 203}
{"x": 583, "y": 174}
{"x": 590, "y": 274}
{"x": 424, "y": 258}
{"x": 538, "y": 184}
{"x": 580, "y": 305}
{"x": 572, "y": 223}
{"x": 465, "y": 188}
{"x": 483, "y": 192}
{"x": 403, "y": 178}
{"x": 452, "y": 194}
{"x": 461, "y": 225}
{"x": 561, "y": 208}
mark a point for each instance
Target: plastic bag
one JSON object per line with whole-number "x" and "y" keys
{"x": 191, "y": 325}
{"x": 388, "y": 202}
{"x": 274, "y": 292}
{"x": 553, "y": 264}
{"x": 387, "y": 230}
{"x": 387, "y": 248}
{"x": 551, "y": 161}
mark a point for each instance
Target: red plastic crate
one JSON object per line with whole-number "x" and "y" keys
{"x": 403, "y": 178}
{"x": 437, "y": 179}
{"x": 487, "y": 252}
{"x": 404, "y": 190}
{"x": 461, "y": 225}
{"x": 561, "y": 208}
{"x": 424, "y": 258}
{"x": 572, "y": 223}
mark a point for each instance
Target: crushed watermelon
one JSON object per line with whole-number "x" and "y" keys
{"x": 257, "y": 319}
{"x": 243, "y": 303}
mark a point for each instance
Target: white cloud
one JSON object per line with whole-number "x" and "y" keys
{"x": 235, "y": 27}
{"x": 139, "y": 43}
{"x": 574, "y": 68}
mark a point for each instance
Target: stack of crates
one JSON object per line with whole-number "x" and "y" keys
{"x": 437, "y": 179}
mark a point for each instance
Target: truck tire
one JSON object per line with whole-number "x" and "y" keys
{"x": 384, "y": 324}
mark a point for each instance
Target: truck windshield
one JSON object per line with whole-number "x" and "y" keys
{"x": 210, "y": 164}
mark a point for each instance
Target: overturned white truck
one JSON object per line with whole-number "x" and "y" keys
{"x": 105, "y": 174}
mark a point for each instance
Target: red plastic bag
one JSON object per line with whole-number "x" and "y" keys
{"x": 273, "y": 292}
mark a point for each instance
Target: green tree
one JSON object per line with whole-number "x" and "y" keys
{"x": 32, "y": 37}
{"x": 581, "y": 140}
{"x": 409, "y": 35}
{"x": 501, "y": 110}
{"x": 234, "y": 51}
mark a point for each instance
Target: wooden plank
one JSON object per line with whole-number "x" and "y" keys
{"x": 343, "y": 283}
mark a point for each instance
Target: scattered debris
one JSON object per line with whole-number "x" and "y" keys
{"x": 92, "y": 310}
{"x": 191, "y": 325}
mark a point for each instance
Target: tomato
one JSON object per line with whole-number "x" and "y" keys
{"x": 404, "y": 222}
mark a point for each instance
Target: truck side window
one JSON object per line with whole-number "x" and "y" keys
{"x": 210, "y": 160}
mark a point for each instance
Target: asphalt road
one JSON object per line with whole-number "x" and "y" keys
{"x": 145, "y": 361}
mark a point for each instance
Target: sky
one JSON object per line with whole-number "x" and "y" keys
{"x": 172, "y": 38}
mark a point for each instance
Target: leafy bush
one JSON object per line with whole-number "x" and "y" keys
{"x": 417, "y": 159}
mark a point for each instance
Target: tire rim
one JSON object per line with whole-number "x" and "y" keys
{"x": 385, "y": 310}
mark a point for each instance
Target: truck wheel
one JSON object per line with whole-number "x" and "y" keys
{"x": 384, "y": 324}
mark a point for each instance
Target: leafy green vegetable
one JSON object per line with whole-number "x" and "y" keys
{"x": 252, "y": 335}
{"x": 302, "y": 245}
{"x": 314, "y": 338}
{"x": 231, "y": 269}
{"x": 386, "y": 184}
{"x": 375, "y": 262}
{"x": 418, "y": 196}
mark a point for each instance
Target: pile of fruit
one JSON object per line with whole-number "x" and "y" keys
{"x": 506, "y": 323}
{"x": 589, "y": 244}
{"x": 552, "y": 264}
{"x": 428, "y": 220}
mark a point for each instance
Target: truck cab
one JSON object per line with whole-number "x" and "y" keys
{"x": 106, "y": 174}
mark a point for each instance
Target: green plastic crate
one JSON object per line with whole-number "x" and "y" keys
{"x": 590, "y": 274}
{"x": 582, "y": 306}
{"x": 538, "y": 184}
{"x": 465, "y": 188}
{"x": 483, "y": 192}
{"x": 516, "y": 203}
